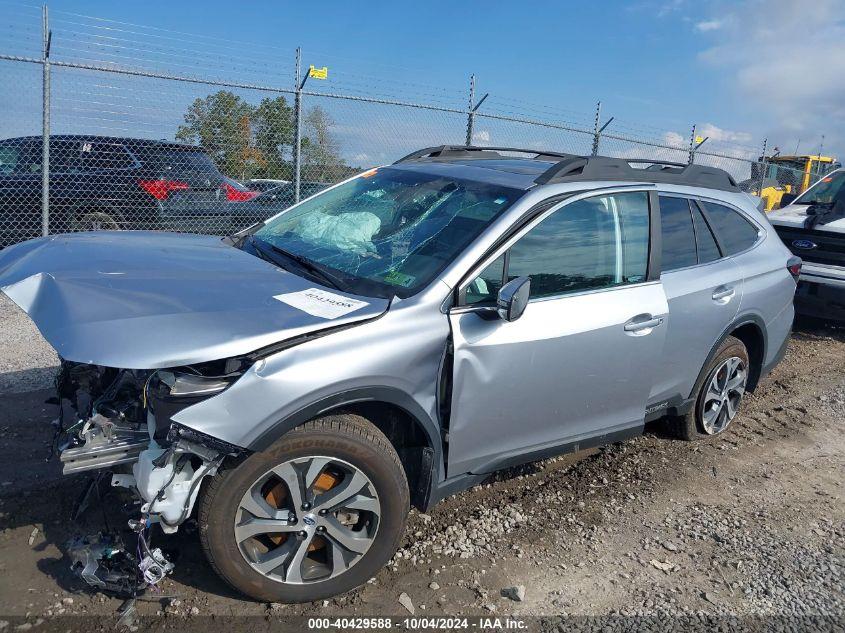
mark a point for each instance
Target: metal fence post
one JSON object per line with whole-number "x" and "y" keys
{"x": 470, "y": 111}
{"x": 691, "y": 147}
{"x": 473, "y": 108}
{"x": 762, "y": 179}
{"x": 45, "y": 123}
{"x": 596, "y": 132}
{"x": 297, "y": 143}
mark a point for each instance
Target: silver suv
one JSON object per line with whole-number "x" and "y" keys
{"x": 396, "y": 339}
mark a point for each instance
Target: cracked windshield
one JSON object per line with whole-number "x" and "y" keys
{"x": 385, "y": 233}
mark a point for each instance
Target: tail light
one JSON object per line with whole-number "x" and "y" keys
{"x": 237, "y": 195}
{"x": 160, "y": 189}
{"x": 793, "y": 265}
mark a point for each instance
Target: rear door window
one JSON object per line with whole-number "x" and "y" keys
{"x": 677, "y": 234}
{"x": 104, "y": 156}
{"x": 708, "y": 250}
{"x": 65, "y": 157}
{"x": 174, "y": 161}
{"x": 734, "y": 232}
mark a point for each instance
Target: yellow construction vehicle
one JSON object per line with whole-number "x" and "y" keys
{"x": 787, "y": 174}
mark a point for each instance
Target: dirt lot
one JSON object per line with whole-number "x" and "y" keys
{"x": 752, "y": 523}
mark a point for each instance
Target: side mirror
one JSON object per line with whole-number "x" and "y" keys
{"x": 787, "y": 199}
{"x": 513, "y": 298}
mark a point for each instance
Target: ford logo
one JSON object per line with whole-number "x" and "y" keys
{"x": 804, "y": 244}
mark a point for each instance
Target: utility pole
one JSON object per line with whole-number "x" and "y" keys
{"x": 45, "y": 122}
{"x": 297, "y": 143}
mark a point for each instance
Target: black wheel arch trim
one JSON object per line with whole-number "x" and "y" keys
{"x": 376, "y": 394}
{"x": 738, "y": 322}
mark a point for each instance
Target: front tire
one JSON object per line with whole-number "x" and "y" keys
{"x": 719, "y": 395}
{"x": 317, "y": 514}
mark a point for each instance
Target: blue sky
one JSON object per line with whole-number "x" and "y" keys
{"x": 658, "y": 66}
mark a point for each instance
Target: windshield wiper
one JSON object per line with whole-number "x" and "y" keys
{"x": 307, "y": 265}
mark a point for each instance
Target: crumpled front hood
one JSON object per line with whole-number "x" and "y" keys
{"x": 142, "y": 300}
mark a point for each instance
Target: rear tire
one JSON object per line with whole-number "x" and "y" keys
{"x": 718, "y": 395}
{"x": 348, "y": 453}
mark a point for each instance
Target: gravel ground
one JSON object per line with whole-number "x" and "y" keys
{"x": 27, "y": 362}
{"x": 748, "y": 524}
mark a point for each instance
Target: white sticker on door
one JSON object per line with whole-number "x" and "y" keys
{"x": 321, "y": 303}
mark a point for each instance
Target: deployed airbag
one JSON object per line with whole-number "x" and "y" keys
{"x": 347, "y": 232}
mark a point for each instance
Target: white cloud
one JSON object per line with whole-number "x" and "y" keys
{"x": 709, "y": 25}
{"x": 719, "y": 141}
{"x": 673, "y": 139}
{"x": 668, "y": 7}
{"x": 786, "y": 62}
{"x": 481, "y": 137}
{"x": 715, "y": 133}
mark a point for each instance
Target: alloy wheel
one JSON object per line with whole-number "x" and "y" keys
{"x": 307, "y": 520}
{"x": 723, "y": 395}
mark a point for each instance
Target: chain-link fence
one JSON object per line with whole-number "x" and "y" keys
{"x": 112, "y": 125}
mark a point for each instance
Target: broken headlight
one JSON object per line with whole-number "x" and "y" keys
{"x": 192, "y": 385}
{"x": 171, "y": 390}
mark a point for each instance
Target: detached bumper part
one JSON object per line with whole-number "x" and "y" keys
{"x": 102, "y": 454}
{"x": 105, "y": 563}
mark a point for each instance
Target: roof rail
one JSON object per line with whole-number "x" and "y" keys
{"x": 606, "y": 168}
{"x": 571, "y": 167}
{"x": 474, "y": 151}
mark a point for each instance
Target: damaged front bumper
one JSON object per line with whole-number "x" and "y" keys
{"x": 118, "y": 421}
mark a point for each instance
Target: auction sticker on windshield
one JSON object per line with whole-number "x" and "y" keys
{"x": 321, "y": 303}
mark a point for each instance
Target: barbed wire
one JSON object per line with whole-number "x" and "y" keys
{"x": 238, "y": 103}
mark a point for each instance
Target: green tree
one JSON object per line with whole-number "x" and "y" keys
{"x": 246, "y": 140}
{"x": 274, "y": 134}
{"x": 216, "y": 122}
{"x": 320, "y": 148}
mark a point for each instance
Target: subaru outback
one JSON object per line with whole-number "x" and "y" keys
{"x": 393, "y": 340}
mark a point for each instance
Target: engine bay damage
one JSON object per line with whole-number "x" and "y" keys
{"x": 116, "y": 424}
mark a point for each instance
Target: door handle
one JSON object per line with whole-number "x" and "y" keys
{"x": 640, "y": 323}
{"x": 723, "y": 294}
